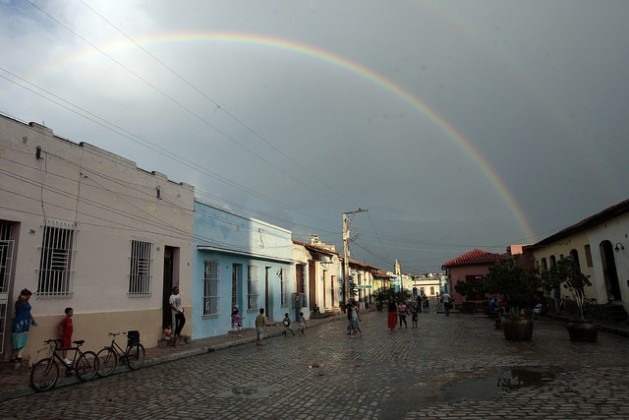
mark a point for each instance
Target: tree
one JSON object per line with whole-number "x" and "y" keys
{"x": 516, "y": 283}
{"x": 566, "y": 272}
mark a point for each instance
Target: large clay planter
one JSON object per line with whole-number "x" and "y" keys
{"x": 582, "y": 331}
{"x": 520, "y": 329}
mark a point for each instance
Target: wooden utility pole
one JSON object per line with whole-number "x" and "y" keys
{"x": 346, "y": 238}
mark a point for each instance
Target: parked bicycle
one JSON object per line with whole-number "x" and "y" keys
{"x": 45, "y": 373}
{"x": 110, "y": 356}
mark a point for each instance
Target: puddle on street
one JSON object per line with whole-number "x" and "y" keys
{"x": 497, "y": 383}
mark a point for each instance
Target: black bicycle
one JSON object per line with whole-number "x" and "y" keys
{"x": 45, "y": 373}
{"x": 110, "y": 356}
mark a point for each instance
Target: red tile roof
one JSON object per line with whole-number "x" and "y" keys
{"x": 473, "y": 257}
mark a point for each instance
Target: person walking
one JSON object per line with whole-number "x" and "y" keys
{"x": 414, "y": 311}
{"x": 445, "y": 298}
{"x": 402, "y": 312}
{"x": 179, "y": 319}
{"x": 392, "y": 315}
{"x": 287, "y": 327}
{"x": 21, "y": 324}
{"x": 355, "y": 320}
{"x": 260, "y": 324}
{"x": 348, "y": 309}
{"x": 302, "y": 323}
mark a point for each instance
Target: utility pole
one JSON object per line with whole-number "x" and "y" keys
{"x": 346, "y": 238}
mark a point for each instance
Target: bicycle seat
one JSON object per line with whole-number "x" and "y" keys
{"x": 79, "y": 342}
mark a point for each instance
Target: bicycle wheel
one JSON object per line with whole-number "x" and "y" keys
{"x": 44, "y": 374}
{"x": 107, "y": 361}
{"x": 135, "y": 356}
{"x": 87, "y": 365}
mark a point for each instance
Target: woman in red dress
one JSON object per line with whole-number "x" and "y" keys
{"x": 392, "y": 315}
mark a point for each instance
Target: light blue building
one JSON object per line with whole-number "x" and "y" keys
{"x": 238, "y": 262}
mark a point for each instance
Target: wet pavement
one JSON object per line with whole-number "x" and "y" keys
{"x": 456, "y": 367}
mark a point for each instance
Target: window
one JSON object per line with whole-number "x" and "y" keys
{"x": 210, "y": 288}
{"x": 588, "y": 255}
{"x": 55, "y": 268}
{"x": 140, "y": 272}
{"x": 284, "y": 294}
{"x": 252, "y": 287}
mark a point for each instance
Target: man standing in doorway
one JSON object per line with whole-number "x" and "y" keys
{"x": 179, "y": 319}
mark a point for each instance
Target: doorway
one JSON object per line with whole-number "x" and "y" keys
{"x": 6, "y": 283}
{"x": 612, "y": 285}
{"x": 169, "y": 281}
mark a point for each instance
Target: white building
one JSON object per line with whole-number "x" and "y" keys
{"x": 81, "y": 227}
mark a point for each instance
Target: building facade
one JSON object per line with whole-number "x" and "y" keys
{"x": 84, "y": 228}
{"x": 239, "y": 263}
{"x": 600, "y": 246}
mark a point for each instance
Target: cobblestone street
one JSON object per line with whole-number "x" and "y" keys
{"x": 455, "y": 367}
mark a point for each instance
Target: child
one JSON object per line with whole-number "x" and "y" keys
{"x": 355, "y": 320}
{"x": 260, "y": 324}
{"x": 287, "y": 328}
{"x": 65, "y": 331}
{"x": 414, "y": 315}
{"x": 168, "y": 333}
{"x": 236, "y": 321}
{"x": 302, "y": 323}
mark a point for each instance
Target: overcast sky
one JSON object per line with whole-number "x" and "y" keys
{"x": 456, "y": 124}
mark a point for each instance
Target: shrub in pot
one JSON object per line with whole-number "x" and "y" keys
{"x": 567, "y": 274}
{"x": 518, "y": 285}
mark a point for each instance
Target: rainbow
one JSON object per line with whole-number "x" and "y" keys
{"x": 345, "y": 64}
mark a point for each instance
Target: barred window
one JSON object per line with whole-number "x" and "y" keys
{"x": 284, "y": 292}
{"x": 140, "y": 271}
{"x": 55, "y": 267}
{"x": 252, "y": 287}
{"x": 210, "y": 288}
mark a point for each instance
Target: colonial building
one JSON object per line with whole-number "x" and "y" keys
{"x": 318, "y": 277}
{"x": 469, "y": 269}
{"x": 238, "y": 263}
{"x": 600, "y": 245}
{"x": 84, "y": 228}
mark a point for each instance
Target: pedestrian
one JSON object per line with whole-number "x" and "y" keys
{"x": 179, "y": 319}
{"x": 355, "y": 320}
{"x": 445, "y": 298}
{"x": 414, "y": 312}
{"x": 348, "y": 310}
{"x": 260, "y": 324}
{"x": 287, "y": 328}
{"x": 236, "y": 322}
{"x": 402, "y": 312}
{"x": 392, "y": 315}
{"x": 21, "y": 325}
{"x": 66, "y": 328}
{"x": 302, "y": 323}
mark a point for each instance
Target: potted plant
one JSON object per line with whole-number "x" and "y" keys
{"x": 380, "y": 297}
{"x": 517, "y": 284}
{"x": 566, "y": 273}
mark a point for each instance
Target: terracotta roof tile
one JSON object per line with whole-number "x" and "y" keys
{"x": 475, "y": 256}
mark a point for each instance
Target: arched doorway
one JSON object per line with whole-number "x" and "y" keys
{"x": 612, "y": 286}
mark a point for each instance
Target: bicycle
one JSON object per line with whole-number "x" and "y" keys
{"x": 109, "y": 356}
{"x": 45, "y": 373}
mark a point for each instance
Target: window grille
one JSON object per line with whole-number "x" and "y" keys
{"x": 210, "y": 288}
{"x": 252, "y": 287}
{"x": 55, "y": 267}
{"x": 284, "y": 292}
{"x": 140, "y": 272}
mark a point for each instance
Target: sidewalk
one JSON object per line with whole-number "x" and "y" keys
{"x": 15, "y": 378}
